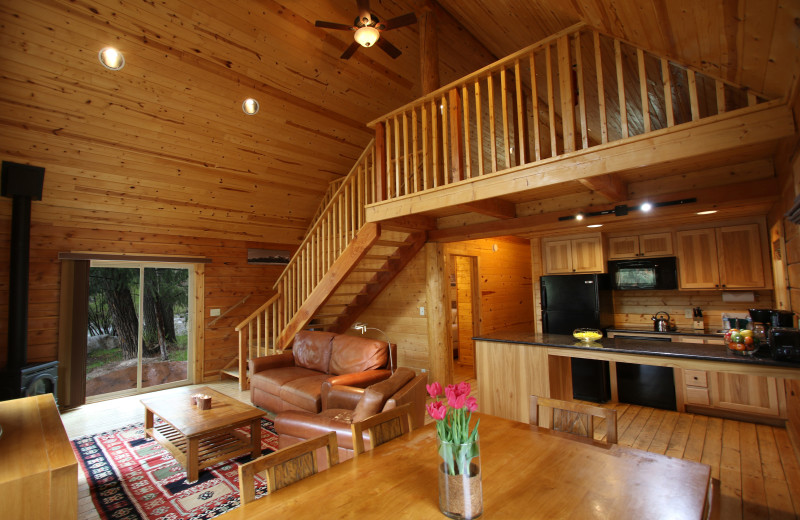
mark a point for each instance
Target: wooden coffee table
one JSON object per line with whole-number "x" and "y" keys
{"x": 201, "y": 438}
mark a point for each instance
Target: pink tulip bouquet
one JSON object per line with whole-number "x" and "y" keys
{"x": 457, "y": 444}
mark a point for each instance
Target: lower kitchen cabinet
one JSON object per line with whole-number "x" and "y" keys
{"x": 739, "y": 393}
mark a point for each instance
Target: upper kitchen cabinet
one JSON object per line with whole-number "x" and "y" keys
{"x": 640, "y": 246}
{"x": 729, "y": 257}
{"x": 582, "y": 254}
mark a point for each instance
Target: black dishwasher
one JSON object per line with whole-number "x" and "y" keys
{"x": 646, "y": 385}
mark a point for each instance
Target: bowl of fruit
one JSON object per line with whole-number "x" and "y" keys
{"x": 587, "y": 335}
{"x": 742, "y": 342}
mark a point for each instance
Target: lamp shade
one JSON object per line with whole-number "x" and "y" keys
{"x": 367, "y": 36}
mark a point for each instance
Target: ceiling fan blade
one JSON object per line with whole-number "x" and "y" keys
{"x": 333, "y": 25}
{"x": 400, "y": 21}
{"x": 350, "y": 50}
{"x": 388, "y": 48}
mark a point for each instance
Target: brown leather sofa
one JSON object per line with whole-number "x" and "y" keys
{"x": 294, "y": 380}
{"x": 345, "y": 405}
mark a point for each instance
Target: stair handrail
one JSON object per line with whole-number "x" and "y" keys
{"x": 368, "y": 151}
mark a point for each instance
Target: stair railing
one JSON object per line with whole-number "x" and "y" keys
{"x": 329, "y": 236}
{"x": 572, "y": 91}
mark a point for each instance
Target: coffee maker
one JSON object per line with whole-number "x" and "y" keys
{"x": 776, "y": 327}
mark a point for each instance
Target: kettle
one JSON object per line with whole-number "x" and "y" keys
{"x": 661, "y": 324}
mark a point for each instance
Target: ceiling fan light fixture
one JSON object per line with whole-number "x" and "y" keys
{"x": 367, "y": 36}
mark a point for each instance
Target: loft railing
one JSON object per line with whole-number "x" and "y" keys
{"x": 570, "y": 92}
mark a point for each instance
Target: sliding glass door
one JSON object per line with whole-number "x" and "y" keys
{"x": 139, "y": 328}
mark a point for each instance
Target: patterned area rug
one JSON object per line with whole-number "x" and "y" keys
{"x": 131, "y": 477}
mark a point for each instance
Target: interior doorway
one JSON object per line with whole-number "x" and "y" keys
{"x": 465, "y": 308}
{"x": 139, "y": 328}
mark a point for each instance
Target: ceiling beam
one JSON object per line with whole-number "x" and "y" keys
{"x": 710, "y": 198}
{"x": 497, "y": 208}
{"x": 609, "y": 186}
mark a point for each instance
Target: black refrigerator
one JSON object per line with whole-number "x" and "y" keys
{"x": 580, "y": 300}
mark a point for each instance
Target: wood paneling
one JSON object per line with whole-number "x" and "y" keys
{"x": 635, "y": 308}
{"x": 227, "y": 280}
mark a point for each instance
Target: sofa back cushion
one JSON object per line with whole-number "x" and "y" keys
{"x": 351, "y": 354}
{"x": 312, "y": 350}
{"x": 375, "y": 396}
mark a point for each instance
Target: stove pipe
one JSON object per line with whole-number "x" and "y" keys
{"x": 22, "y": 183}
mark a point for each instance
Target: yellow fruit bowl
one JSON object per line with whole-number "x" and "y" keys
{"x": 587, "y": 334}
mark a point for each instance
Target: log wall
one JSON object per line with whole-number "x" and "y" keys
{"x": 228, "y": 280}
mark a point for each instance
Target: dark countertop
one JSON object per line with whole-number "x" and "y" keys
{"x": 685, "y": 332}
{"x": 636, "y": 346}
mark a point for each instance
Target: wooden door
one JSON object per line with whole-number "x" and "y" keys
{"x": 557, "y": 256}
{"x": 740, "y": 257}
{"x": 655, "y": 244}
{"x": 587, "y": 255}
{"x": 745, "y": 393}
{"x": 623, "y": 247}
{"x": 466, "y": 297}
{"x": 698, "y": 266}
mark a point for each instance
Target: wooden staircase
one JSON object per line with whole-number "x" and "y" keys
{"x": 339, "y": 269}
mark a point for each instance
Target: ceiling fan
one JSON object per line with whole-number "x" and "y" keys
{"x": 368, "y": 29}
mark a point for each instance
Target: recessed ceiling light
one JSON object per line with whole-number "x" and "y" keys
{"x": 250, "y": 106}
{"x": 595, "y": 225}
{"x": 646, "y": 206}
{"x": 111, "y": 58}
{"x": 709, "y": 212}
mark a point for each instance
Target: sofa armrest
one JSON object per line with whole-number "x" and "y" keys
{"x": 338, "y": 396}
{"x": 356, "y": 379}
{"x": 260, "y": 364}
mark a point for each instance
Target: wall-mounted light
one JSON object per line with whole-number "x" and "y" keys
{"x": 250, "y": 106}
{"x": 111, "y": 58}
{"x": 595, "y": 225}
{"x": 709, "y": 212}
{"x": 646, "y": 206}
{"x": 579, "y": 216}
{"x": 367, "y": 36}
{"x": 363, "y": 328}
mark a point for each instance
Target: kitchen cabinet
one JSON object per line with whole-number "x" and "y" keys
{"x": 740, "y": 393}
{"x": 640, "y": 246}
{"x": 573, "y": 255}
{"x": 729, "y": 257}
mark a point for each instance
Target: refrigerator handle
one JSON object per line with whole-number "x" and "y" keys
{"x": 543, "y": 291}
{"x": 545, "y": 327}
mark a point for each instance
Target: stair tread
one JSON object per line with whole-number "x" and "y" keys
{"x": 391, "y": 243}
{"x": 369, "y": 270}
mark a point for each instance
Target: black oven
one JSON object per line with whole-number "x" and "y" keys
{"x": 644, "y": 274}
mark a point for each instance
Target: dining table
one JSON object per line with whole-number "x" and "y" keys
{"x": 527, "y": 472}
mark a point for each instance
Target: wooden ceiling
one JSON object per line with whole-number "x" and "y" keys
{"x": 163, "y": 146}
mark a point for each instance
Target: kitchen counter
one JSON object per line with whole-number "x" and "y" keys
{"x": 637, "y": 347}
{"x": 681, "y": 332}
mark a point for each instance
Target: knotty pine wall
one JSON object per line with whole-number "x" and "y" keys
{"x": 228, "y": 280}
{"x": 504, "y": 286}
{"x": 635, "y": 308}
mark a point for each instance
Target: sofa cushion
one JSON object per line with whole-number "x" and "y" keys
{"x": 271, "y": 381}
{"x": 312, "y": 349}
{"x": 375, "y": 396}
{"x": 304, "y": 393}
{"x": 351, "y": 354}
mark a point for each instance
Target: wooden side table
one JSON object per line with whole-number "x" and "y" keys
{"x": 38, "y": 469}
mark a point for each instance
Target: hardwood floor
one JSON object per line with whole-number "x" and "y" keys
{"x": 758, "y": 472}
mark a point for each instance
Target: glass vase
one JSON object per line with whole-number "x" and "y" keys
{"x": 460, "y": 491}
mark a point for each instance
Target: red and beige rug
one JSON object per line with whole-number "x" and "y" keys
{"x": 131, "y": 477}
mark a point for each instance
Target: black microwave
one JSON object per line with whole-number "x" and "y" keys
{"x": 644, "y": 274}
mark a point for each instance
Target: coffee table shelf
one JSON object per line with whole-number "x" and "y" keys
{"x": 210, "y": 450}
